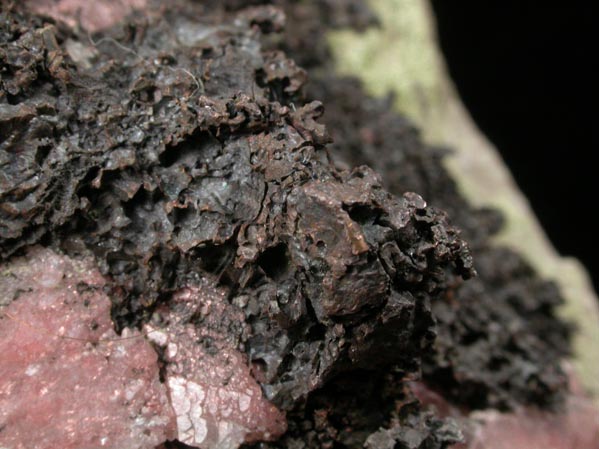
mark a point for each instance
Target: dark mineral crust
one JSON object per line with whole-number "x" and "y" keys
{"x": 183, "y": 151}
{"x": 499, "y": 342}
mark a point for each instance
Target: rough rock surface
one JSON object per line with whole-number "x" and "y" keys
{"x": 217, "y": 401}
{"x": 373, "y": 409}
{"x": 66, "y": 378}
{"x": 499, "y": 342}
{"x": 192, "y": 158}
{"x": 182, "y": 151}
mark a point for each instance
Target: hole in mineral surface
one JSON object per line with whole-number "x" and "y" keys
{"x": 361, "y": 214}
{"x": 275, "y": 261}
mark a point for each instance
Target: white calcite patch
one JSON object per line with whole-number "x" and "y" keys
{"x": 171, "y": 349}
{"x": 244, "y": 402}
{"x": 157, "y": 336}
{"x": 32, "y": 370}
{"x": 187, "y": 398}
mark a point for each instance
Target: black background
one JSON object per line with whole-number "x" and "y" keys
{"x": 524, "y": 70}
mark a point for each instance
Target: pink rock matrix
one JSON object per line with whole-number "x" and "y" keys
{"x": 63, "y": 382}
{"x": 93, "y": 15}
{"x": 217, "y": 401}
{"x": 576, "y": 426}
{"x": 68, "y": 381}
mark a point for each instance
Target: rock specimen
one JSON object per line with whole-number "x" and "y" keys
{"x": 189, "y": 160}
{"x": 289, "y": 302}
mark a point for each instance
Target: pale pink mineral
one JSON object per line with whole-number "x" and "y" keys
{"x": 93, "y": 15}
{"x": 67, "y": 380}
{"x": 218, "y": 403}
{"x": 574, "y": 426}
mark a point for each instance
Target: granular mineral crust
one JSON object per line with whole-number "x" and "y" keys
{"x": 192, "y": 164}
{"x": 66, "y": 378}
{"x": 288, "y": 301}
{"x": 499, "y": 341}
{"x": 217, "y": 402}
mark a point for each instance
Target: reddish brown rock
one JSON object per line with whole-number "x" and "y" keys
{"x": 92, "y": 15}
{"x": 67, "y": 380}
{"x": 217, "y": 401}
{"x": 576, "y": 428}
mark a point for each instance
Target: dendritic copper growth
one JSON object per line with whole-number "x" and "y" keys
{"x": 273, "y": 299}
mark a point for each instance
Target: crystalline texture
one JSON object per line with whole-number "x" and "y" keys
{"x": 218, "y": 403}
{"x": 67, "y": 380}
